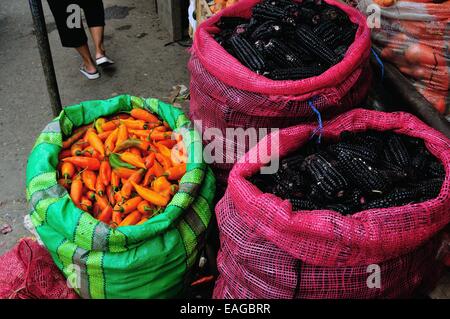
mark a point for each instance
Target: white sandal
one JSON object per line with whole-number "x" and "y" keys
{"x": 104, "y": 61}
{"x": 88, "y": 75}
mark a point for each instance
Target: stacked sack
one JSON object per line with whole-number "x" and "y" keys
{"x": 414, "y": 36}
{"x": 272, "y": 249}
{"x": 227, "y": 94}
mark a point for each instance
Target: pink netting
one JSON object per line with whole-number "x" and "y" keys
{"x": 28, "y": 272}
{"x": 225, "y": 94}
{"x": 269, "y": 251}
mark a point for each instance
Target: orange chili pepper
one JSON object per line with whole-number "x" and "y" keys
{"x": 105, "y": 172}
{"x": 155, "y": 171}
{"x": 83, "y": 162}
{"x": 67, "y": 170}
{"x": 91, "y": 152}
{"x": 161, "y": 128}
{"x": 75, "y": 137}
{"x": 115, "y": 181}
{"x": 89, "y": 179}
{"x": 106, "y": 214}
{"x": 164, "y": 150}
{"x": 134, "y": 124}
{"x": 176, "y": 172}
{"x": 135, "y": 151}
{"x": 202, "y": 280}
{"x": 95, "y": 142}
{"x": 110, "y": 125}
{"x": 64, "y": 153}
{"x": 110, "y": 142}
{"x": 150, "y": 160}
{"x": 129, "y": 206}
{"x": 145, "y": 208}
{"x": 144, "y": 115}
{"x": 90, "y": 195}
{"x": 116, "y": 219}
{"x": 127, "y": 188}
{"x": 118, "y": 198}
{"x": 132, "y": 159}
{"x": 110, "y": 195}
{"x": 158, "y": 136}
{"x": 158, "y": 170}
{"x": 168, "y": 143}
{"x": 122, "y": 116}
{"x": 88, "y": 151}
{"x": 133, "y": 142}
{"x": 162, "y": 186}
{"x": 102, "y": 201}
{"x": 149, "y": 175}
{"x": 77, "y": 148}
{"x": 124, "y": 172}
{"x": 76, "y": 190}
{"x": 99, "y": 186}
{"x": 122, "y": 135}
{"x": 164, "y": 161}
{"x": 132, "y": 219}
{"x": 85, "y": 204}
{"x": 141, "y": 133}
{"x": 96, "y": 210}
{"x": 104, "y": 135}
{"x": 151, "y": 196}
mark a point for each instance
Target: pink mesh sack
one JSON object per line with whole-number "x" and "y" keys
{"x": 27, "y": 272}
{"x": 226, "y": 94}
{"x": 270, "y": 251}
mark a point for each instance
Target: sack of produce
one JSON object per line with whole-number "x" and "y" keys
{"x": 358, "y": 215}
{"x": 121, "y": 197}
{"x": 218, "y": 5}
{"x": 264, "y": 64}
{"x": 27, "y": 271}
{"x": 414, "y": 36}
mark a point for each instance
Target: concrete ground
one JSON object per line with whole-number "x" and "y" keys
{"x": 144, "y": 67}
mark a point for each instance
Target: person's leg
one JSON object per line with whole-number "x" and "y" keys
{"x": 97, "y": 37}
{"x": 71, "y": 37}
{"x": 88, "y": 62}
{"x": 95, "y": 16}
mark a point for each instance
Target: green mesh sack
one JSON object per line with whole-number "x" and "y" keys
{"x": 152, "y": 260}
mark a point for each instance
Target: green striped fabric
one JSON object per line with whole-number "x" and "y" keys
{"x": 150, "y": 260}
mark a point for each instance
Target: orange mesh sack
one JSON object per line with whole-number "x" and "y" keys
{"x": 414, "y": 36}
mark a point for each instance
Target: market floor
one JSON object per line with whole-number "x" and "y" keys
{"x": 144, "y": 67}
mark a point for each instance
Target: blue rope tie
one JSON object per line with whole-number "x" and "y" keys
{"x": 319, "y": 129}
{"x": 380, "y": 63}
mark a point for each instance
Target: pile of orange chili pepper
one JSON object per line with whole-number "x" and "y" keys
{"x": 124, "y": 169}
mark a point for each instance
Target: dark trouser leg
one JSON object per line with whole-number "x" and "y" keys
{"x": 73, "y": 36}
